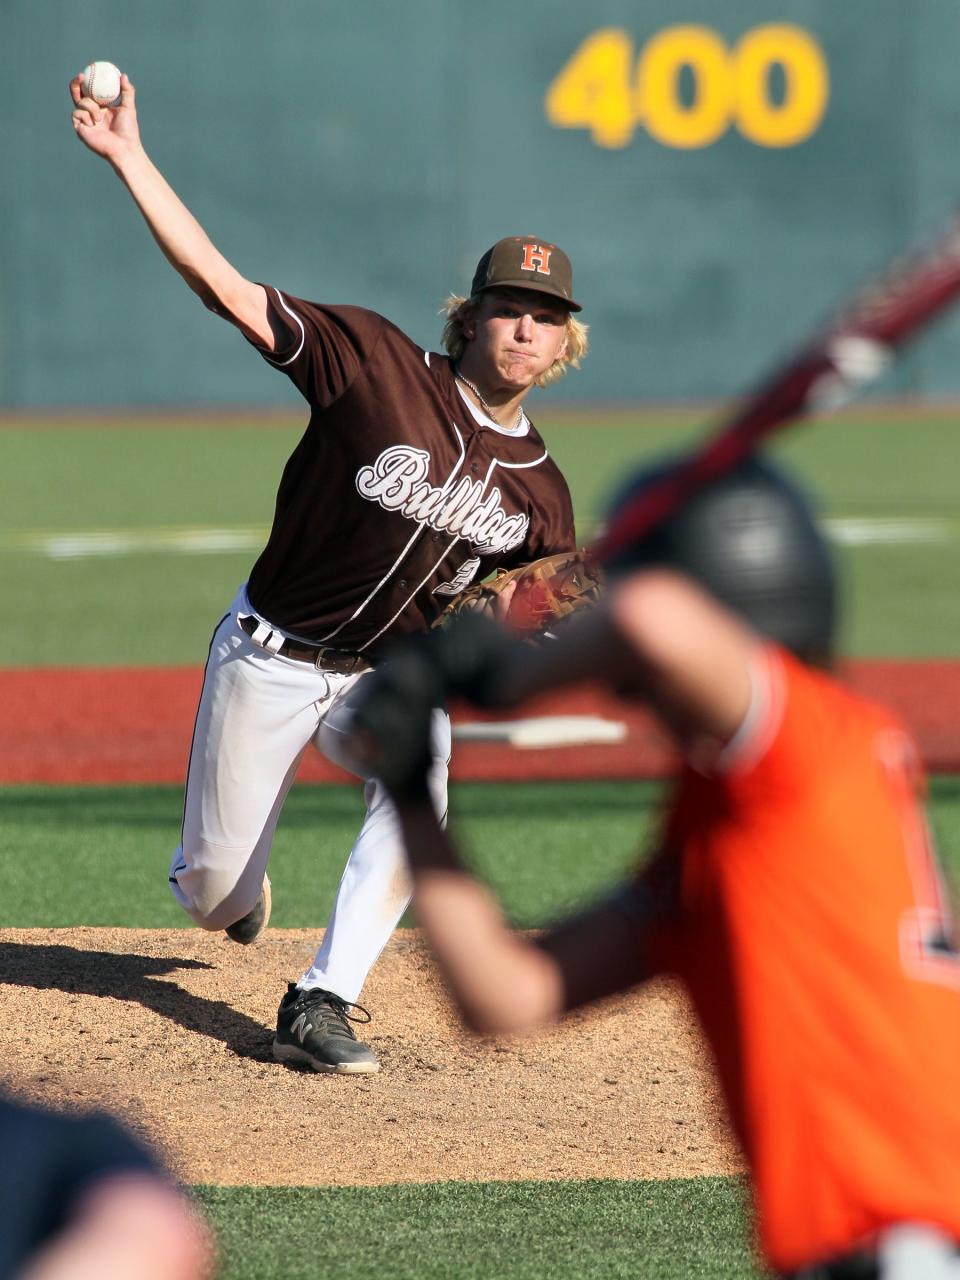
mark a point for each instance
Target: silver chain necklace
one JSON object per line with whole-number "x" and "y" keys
{"x": 483, "y": 404}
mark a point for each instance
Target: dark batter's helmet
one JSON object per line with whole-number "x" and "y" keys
{"x": 750, "y": 539}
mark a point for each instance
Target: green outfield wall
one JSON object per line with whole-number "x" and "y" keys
{"x": 718, "y": 173}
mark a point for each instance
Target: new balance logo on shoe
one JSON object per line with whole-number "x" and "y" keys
{"x": 313, "y": 1030}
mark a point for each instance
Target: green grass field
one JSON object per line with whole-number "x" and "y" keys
{"x": 545, "y": 847}
{"x": 514, "y": 1231}
{"x": 121, "y": 544}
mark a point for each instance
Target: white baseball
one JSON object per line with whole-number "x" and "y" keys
{"x": 101, "y": 82}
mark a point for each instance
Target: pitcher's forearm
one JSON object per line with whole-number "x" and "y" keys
{"x": 188, "y": 248}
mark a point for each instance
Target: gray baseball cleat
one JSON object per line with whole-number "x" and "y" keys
{"x": 313, "y": 1029}
{"x": 249, "y": 927}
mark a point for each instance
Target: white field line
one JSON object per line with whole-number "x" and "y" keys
{"x": 858, "y": 531}
{"x": 85, "y": 544}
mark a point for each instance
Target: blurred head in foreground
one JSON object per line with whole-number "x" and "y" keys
{"x": 81, "y": 1196}
{"x": 751, "y": 541}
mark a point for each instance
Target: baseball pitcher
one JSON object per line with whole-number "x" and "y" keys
{"x": 418, "y": 474}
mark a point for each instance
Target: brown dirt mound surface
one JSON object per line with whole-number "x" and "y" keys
{"x": 172, "y": 1030}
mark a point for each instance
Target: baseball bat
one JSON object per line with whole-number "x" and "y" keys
{"x": 846, "y": 353}
{"x": 542, "y": 731}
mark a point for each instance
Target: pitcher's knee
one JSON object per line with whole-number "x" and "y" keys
{"x": 333, "y": 740}
{"x": 215, "y": 891}
{"x": 211, "y": 910}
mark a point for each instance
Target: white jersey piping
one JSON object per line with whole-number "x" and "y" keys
{"x": 521, "y": 466}
{"x": 410, "y": 597}
{"x": 386, "y": 626}
{"x": 403, "y": 554}
{"x": 494, "y": 463}
{"x": 280, "y": 364}
{"x": 484, "y": 419}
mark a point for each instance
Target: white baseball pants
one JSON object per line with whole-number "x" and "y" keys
{"x": 257, "y": 714}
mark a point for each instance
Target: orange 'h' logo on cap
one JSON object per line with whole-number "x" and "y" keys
{"x": 536, "y": 258}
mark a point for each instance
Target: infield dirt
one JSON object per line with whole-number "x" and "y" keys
{"x": 172, "y": 1030}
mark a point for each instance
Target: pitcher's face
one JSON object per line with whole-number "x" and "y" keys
{"x": 514, "y": 336}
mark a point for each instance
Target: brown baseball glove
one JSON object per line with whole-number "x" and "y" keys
{"x": 545, "y": 591}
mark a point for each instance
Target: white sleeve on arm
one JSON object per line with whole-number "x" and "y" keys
{"x": 763, "y": 717}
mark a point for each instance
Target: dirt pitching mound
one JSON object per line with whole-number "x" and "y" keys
{"x": 172, "y": 1030}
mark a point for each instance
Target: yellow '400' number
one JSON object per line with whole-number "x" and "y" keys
{"x": 601, "y": 89}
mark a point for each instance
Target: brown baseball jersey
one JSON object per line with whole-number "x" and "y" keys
{"x": 395, "y": 498}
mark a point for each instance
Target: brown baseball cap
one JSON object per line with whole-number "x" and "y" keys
{"x": 526, "y": 262}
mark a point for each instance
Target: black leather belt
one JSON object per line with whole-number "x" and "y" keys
{"x": 342, "y": 661}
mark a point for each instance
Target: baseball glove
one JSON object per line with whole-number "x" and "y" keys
{"x": 547, "y": 591}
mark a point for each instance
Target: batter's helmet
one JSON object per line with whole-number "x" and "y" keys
{"x": 750, "y": 539}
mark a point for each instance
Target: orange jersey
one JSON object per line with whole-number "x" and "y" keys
{"x": 809, "y": 923}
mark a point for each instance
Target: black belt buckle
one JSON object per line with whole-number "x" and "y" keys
{"x": 336, "y": 660}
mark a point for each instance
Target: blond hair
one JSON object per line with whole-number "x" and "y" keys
{"x": 458, "y": 310}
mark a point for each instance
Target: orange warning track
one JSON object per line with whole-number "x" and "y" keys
{"x": 132, "y": 725}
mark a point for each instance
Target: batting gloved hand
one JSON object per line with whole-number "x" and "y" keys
{"x": 394, "y": 709}
{"x": 392, "y": 719}
{"x": 471, "y": 654}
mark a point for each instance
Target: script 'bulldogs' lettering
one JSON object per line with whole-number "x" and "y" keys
{"x": 398, "y": 482}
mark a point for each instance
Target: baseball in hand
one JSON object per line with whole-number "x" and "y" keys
{"x": 101, "y": 82}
